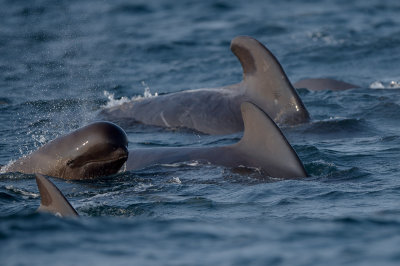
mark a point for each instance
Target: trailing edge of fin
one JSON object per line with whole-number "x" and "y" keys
{"x": 266, "y": 82}
{"x": 265, "y": 145}
{"x": 52, "y": 200}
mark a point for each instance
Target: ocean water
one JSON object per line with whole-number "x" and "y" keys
{"x": 61, "y": 62}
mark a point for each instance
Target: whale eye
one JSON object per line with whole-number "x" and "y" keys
{"x": 70, "y": 163}
{"x": 113, "y": 148}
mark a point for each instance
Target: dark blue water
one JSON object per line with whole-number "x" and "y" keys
{"x": 57, "y": 58}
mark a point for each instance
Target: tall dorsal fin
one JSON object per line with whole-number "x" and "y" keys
{"x": 264, "y": 145}
{"x": 52, "y": 200}
{"x": 266, "y": 82}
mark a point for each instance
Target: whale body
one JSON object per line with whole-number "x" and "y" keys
{"x": 217, "y": 110}
{"x": 317, "y": 84}
{"x": 263, "y": 146}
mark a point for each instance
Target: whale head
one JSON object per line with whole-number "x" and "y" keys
{"x": 98, "y": 149}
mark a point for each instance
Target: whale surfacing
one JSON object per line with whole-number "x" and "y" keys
{"x": 318, "y": 84}
{"x": 217, "y": 110}
{"x": 263, "y": 146}
{"x": 98, "y": 149}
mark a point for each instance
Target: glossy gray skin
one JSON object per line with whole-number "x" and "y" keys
{"x": 52, "y": 200}
{"x": 217, "y": 111}
{"x": 263, "y": 146}
{"x": 318, "y": 84}
{"x": 96, "y": 150}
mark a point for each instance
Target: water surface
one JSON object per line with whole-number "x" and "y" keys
{"x": 59, "y": 57}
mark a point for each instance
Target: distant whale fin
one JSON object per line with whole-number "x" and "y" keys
{"x": 266, "y": 82}
{"x": 264, "y": 145}
{"x": 324, "y": 84}
{"x": 52, "y": 200}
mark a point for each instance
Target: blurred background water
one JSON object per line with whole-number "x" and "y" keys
{"x": 61, "y": 61}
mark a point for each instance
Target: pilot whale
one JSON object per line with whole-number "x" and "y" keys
{"x": 317, "y": 84}
{"x": 217, "y": 110}
{"x": 263, "y": 146}
{"x": 98, "y": 149}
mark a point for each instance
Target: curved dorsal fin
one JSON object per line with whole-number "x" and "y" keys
{"x": 264, "y": 145}
{"x": 266, "y": 82}
{"x": 52, "y": 200}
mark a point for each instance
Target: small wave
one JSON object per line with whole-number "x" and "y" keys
{"x": 385, "y": 109}
{"x": 32, "y": 11}
{"x": 132, "y": 9}
{"x": 112, "y": 210}
{"x": 4, "y": 101}
{"x": 22, "y": 192}
{"x": 43, "y": 36}
{"x": 221, "y": 6}
{"x": 353, "y": 173}
{"x": 116, "y": 102}
{"x": 320, "y": 168}
{"x": 377, "y": 220}
{"x": 7, "y": 197}
{"x": 180, "y": 164}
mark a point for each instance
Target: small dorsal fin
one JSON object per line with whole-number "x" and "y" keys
{"x": 266, "y": 82}
{"x": 264, "y": 145}
{"x": 52, "y": 200}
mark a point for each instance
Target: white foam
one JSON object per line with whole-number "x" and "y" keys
{"x": 4, "y": 169}
{"x": 40, "y": 140}
{"x": 115, "y": 102}
{"x": 23, "y": 192}
{"x": 394, "y": 85}
{"x": 175, "y": 180}
{"x": 377, "y": 85}
{"x": 385, "y": 85}
{"x": 192, "y": 164}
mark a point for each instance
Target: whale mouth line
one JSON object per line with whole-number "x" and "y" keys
{"x": 107, "y": 161}
{"x": 96, "y": 168}
{"x": 116, "y": 156}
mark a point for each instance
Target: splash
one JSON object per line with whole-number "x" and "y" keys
{"x": 175, "y": 180}
{"x": 39, "y": 139}
{"x": 385, "y": 85}
{"x": 112, "y": 101}
{"x": 4, "y": 168}
{"x": 147, "y": 93}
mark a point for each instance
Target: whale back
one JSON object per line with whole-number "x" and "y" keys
{"x": 317, "y": 84}
{"x": 52, "y": 200}
{"x": 266, "y": 83}
{"x": 264, "y": 146}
